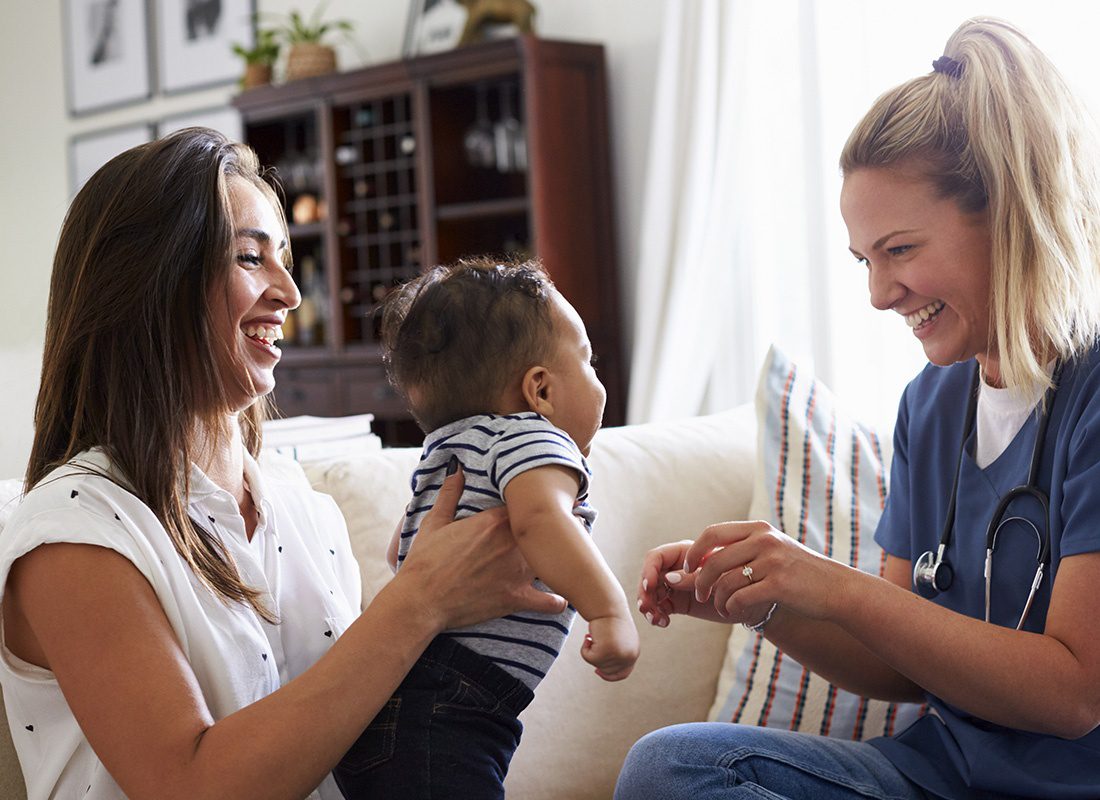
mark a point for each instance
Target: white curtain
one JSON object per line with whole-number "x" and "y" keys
{"x": 742, "y": 242}
{"x": 732, "y": 209}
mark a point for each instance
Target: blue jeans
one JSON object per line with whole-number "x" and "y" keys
{"x": 712, "y": 760}
{"x": 449, "y": 731}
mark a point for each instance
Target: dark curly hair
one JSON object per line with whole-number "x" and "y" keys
{"x": 454, "y": 338}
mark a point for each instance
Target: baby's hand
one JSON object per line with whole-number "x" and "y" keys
{"x": 611, "y": 646}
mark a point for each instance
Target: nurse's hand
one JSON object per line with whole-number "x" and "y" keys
{"x": 781, "y": 570}
{"x": 470, "y": 570}
{"x": 664, "y": 589}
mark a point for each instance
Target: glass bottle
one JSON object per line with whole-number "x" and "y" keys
{"x": 312, "y": 312}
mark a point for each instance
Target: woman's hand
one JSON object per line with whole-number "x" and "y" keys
{"x": 471, "y": 570}
{"x": 664, "y": 589}
{"x": 741, "y": 568}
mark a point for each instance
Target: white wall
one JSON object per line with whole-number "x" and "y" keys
{"x": 34, "y": 140}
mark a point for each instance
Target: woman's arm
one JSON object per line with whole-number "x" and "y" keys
{"x": 99, "y": 626}
{"x": 836, "y": 655}
{"x": 1046, "y": 683}
{"x": 830, "y": 651}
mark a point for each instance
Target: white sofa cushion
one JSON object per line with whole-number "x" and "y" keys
{"x": 821, "y": 478}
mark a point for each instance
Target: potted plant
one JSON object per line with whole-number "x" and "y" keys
{"x": 259, "y": 59}
{"x": 308, "y": 55}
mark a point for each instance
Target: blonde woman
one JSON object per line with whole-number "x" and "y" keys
{"x": 174, "y": 625}
{"x": 971, "y": 196}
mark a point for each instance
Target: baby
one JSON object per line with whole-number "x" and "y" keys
{"x": 497, "y": 369}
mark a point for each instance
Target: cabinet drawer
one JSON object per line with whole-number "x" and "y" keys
{"x": 307, "y": 391}
{"x": 368, "y": 391}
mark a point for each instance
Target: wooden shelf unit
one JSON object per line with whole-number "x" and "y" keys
{"x": 385, "y": 150}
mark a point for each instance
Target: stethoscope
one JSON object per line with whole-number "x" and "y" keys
{"x": 933, "y": 573}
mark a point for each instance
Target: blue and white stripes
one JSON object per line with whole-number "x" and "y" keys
{"x": 493, "y": 450}
{"x": 821, "y": 478}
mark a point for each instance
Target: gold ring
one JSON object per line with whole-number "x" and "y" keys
{"x": 747, "y": 572}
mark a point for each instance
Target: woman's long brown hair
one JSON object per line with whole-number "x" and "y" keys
{"x": 131, "y": 363}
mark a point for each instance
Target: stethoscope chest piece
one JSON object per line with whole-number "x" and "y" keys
{"x": 932, "y": 575}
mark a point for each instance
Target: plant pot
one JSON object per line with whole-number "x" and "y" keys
{"x": 256, "y": 75}
{"x": 308, "y": 60}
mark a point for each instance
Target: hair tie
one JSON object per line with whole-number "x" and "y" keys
{"x": 948, "y": 66}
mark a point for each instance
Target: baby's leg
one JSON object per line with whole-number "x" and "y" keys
{"x": 449, "y": 732}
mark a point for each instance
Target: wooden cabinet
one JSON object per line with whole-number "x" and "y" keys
{"x": 496, "y": 148}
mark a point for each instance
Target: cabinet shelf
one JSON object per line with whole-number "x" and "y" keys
{"x": 377, "y": 167}
{"x": 389, "y": 157}
{"x": 377, "y": 203}
{"x": 308, "y": 231}
{"x": 480, "y": 209}
{"x": 367, "y": 133}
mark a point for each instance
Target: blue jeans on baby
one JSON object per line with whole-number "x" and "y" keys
{"x": 449, "y": 731}
{"x": 722, "y": 761}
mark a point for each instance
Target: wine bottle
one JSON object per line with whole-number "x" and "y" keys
{"x": 313, "y": 309}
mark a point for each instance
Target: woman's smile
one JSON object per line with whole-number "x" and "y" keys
{"x": 926, "y": 259}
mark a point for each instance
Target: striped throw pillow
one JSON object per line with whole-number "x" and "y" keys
{"x": 820, "y": 477}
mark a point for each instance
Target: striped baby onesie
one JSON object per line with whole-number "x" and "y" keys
{"x": 494, "y": 449}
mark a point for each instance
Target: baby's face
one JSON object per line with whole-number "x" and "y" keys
{"x": 578, "y": 407}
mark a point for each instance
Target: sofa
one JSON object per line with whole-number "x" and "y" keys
{"x": 652, "y": 484}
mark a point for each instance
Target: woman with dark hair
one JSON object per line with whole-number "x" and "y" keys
{"x": 174, "y": 624}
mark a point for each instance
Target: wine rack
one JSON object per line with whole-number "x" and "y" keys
{"x": 499, "y": 148}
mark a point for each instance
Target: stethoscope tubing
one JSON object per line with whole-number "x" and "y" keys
{"x": 932, "y": 573}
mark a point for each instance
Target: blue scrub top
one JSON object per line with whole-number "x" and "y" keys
{"x": 950, "y": 752}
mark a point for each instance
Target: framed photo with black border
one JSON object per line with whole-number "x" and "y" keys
{"x": 433, "y": 26}
{"x": 90, "y": 151}
{"x": 224, "y": 119}
{"x": 195, "y": 40}
{"x": 107, "y": 61}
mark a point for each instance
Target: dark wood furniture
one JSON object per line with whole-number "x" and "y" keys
{"x": 404, "y": 181}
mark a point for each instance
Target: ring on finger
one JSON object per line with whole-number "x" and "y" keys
{"x": 747, "y": 572}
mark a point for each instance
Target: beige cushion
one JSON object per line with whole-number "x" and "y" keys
{"x": 371, "y": 490}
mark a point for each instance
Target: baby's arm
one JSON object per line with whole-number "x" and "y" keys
{"x": 540, "y": 510}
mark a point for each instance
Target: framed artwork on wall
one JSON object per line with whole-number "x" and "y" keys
{"x": 106, "y": 53}
{"x": 224, "y": 119}
{"x": 88, "y": 152}
{"x": 195, "y": 40}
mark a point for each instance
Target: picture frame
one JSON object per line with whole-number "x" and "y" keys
{"x": 90, "y": 151}
{"x": 225, "y": 119}
{"x": 195, "y": 39}
{"x": 107, "y": 61}
{"x": 433, "y": 26}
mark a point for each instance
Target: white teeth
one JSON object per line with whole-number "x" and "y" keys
{"x": 923, "y": 314}
{"x": 264, "y": 333}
